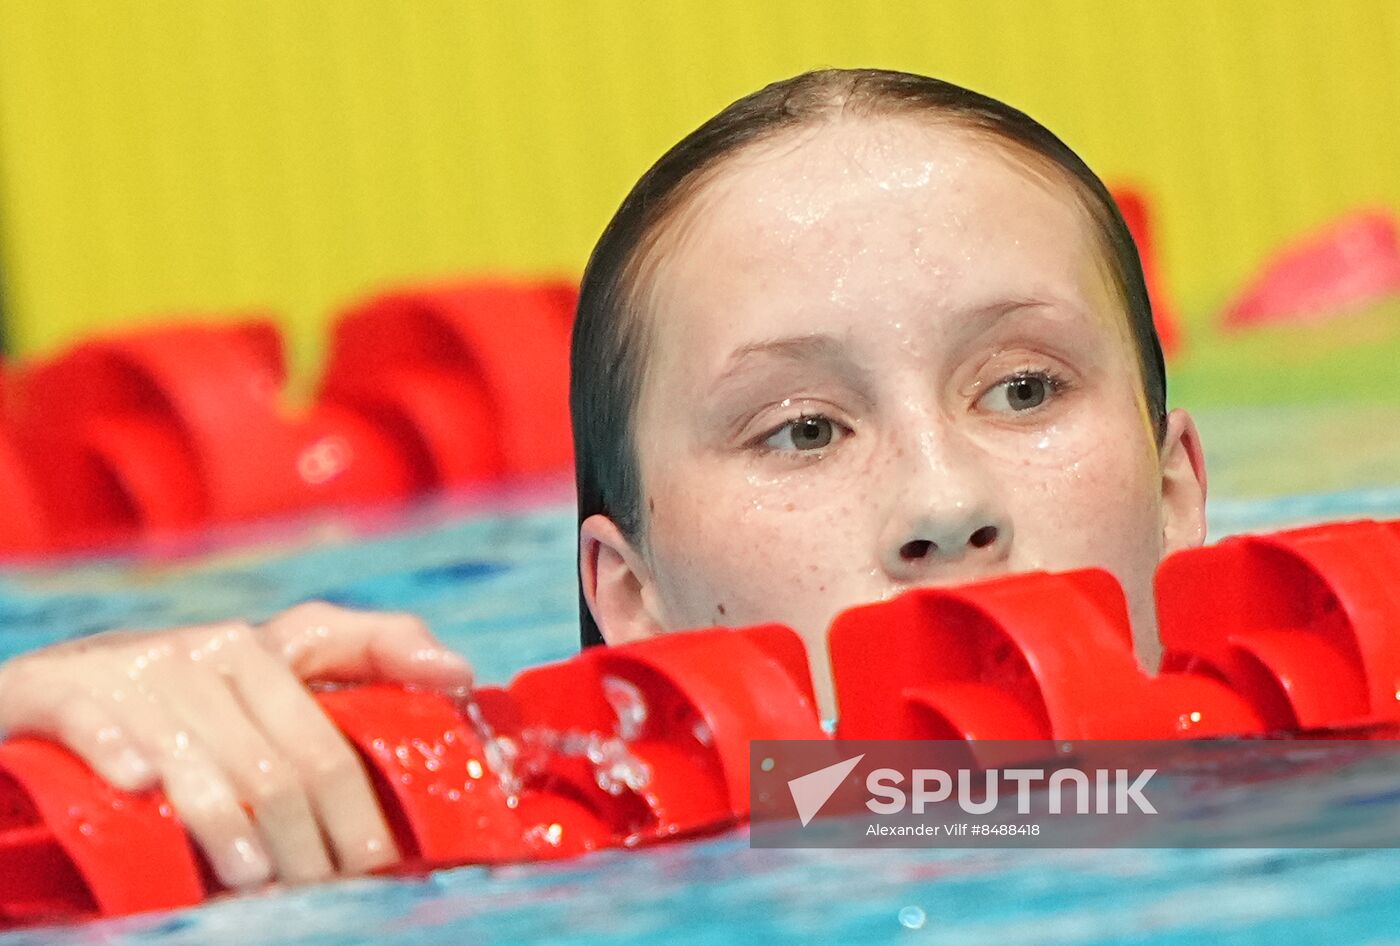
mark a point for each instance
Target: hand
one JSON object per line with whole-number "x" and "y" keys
{"x": 219, "y": 717}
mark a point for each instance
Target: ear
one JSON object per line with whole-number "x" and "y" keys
{"x": 617, "y": 584}
{"x": 1183, "y": 485}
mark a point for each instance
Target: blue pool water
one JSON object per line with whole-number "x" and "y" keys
{"x": 495, "y": 579}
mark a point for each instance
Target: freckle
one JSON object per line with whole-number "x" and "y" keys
{"x": 721, "y": 608}
{"x": 821, "y": 587}
{"x": 812, "y": 568}
{"x": 790, "y": 506}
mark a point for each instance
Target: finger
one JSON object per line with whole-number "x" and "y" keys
{"x": 331, "y": 770}
{"x": 199, "y": 791}
{"x": 90, "y": 731}
{"x": 208, "y": 807}
{"x": 324, "y": 641}
{"x": 51, "y": 706}
{"x": 258, "y": 772}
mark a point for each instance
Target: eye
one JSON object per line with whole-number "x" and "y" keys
{"x": 806, "y": 433}
{"x": 1024, "y": 391}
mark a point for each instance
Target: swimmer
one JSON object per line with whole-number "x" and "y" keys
{"x": 861, "y": 332}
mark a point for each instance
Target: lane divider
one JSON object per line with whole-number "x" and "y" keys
{"x": 174, "y": 428}
{"x": 1272, "y": 635}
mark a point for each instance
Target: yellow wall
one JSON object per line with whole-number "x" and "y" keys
{"x": 177, "y": 155}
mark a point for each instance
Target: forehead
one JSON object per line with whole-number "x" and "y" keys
{"x": 854, "y": 219}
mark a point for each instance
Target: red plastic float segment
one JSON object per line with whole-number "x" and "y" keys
{"x": 70, "y": 844}
{"x": 558, "y": 826}
{"x": 217, "y": 385}
{"x": 441, "y": 790}
{"x": 731, "y": 690}
{"x": 24, "y": 523}
{"x": 1351, "y": 262}
{"x": 564, "y": 695}
{"x": 178, "y": 424}
{"x": 1022, "y": 657}
{"x": 1132, "y": 203}
{"x": 346, "y": 459}
{"x": 686, "y": 704}
{"x": 506, "y": 343}
{"x": 1302, "y": 622}
{"x": 442, "y": 422}
{"x": 446, "y": 803}
{"x": 1194, "y": 706}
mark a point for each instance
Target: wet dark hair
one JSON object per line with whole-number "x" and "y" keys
{"x": 610, "y": 336}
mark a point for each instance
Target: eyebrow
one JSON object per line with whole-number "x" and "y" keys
{"x": 817, "y": 348}
{"x": 984, "y": 318}
{"x": 822, "y": 349}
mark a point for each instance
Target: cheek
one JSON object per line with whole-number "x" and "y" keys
{"x": 742, "y": 550}
{"x": 1087, "y": 494}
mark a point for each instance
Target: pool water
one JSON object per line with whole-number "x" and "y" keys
{"x": 494, "y": 577}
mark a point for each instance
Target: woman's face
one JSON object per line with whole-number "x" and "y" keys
{"x": 884, "y": 354}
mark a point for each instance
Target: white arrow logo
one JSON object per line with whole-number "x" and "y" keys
{"x": 811, "y": 791}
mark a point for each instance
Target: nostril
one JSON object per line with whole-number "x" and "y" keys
{"x": 919, "y": 548}
{"x": 983, "y": 537}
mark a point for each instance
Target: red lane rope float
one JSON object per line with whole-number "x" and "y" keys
{"x": 24, "y": 524}
{"x": 163, "y": 429}
{"x": 646, "y": 742}
{"x": 473, "y": 377}
{"x": 171, "y": 428}
{"x": 1305, "y": 623}
{"x": 1137, "y": 214}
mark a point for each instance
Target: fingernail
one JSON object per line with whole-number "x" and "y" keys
{"x": 244, "y": 864}
{"x": 455, "y": 661}
{"x": 444, "y": 660}
{"x": 370, "y": 855}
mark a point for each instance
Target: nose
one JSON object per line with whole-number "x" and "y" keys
{"x": 947, "y": 522}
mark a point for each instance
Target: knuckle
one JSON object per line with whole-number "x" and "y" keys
{"x": 316, "y": 611}
{"x": 403, "y": 624}
{"x": 274, "y": 782}
{"x": 331, "y": 763}
{"x": 204, "y": 799}
{"x": 19, "y": 677}
{"x": 233, "y": 632}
